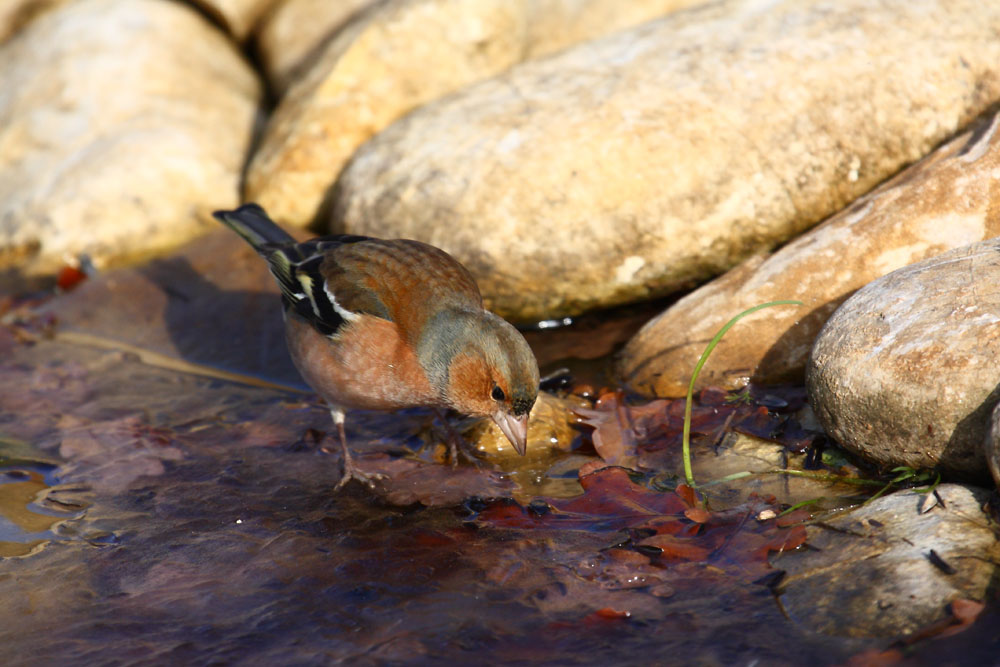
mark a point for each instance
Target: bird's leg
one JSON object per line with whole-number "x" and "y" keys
{"x": 350, "y": 472}
{"x": 455, "y": 440}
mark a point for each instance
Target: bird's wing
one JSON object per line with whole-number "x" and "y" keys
{"x": 335, "y": 279}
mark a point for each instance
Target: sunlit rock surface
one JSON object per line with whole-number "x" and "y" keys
{"x": 239, "y": 17}
{"x": 642, "y": 162}
{"x": 891, "y": 567}
{"x": 294, "y": 33}
{"x": 905, "y": 372}
{"x": 390, "y": 60}
{"x": 550, "y": 429}
{"x": 945, "y": 201}
{"x": 16, "y": 14}
{"x": 125, "y": 122}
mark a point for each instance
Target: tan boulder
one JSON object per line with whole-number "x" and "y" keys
{"x": 294, "y": 33}
{"x": 949, "y": 199}
{"x": 124, "y": 124}
{"x": 16, "y": 14}
{"x": 905, "y": 372}
{"x": 239, "y": 17}
{"x": 395, "y": 58}
{"x": 635, "y": 165}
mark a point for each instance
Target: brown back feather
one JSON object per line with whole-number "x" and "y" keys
{"x": 401, "y": 280}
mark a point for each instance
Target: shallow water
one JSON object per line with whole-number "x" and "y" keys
{"x": 199, "y": 526}
{"x": 149, "y": 513}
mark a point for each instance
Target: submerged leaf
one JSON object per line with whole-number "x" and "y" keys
{"x": 663, "y": 528}
{"x": 615, "y": 431}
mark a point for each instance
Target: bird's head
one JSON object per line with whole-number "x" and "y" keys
{"x": 490, "y": 372}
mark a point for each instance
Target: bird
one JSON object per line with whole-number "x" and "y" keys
{"x": 389, "y": 324}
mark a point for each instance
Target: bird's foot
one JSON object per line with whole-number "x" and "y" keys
{"x": 369, "y": 479}
{"x": 457, "y": 445}
{"x": 460, "y": 449}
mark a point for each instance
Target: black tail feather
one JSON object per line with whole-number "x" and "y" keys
{"x": 251, "y": 222}
{"x": 297, "y": 267}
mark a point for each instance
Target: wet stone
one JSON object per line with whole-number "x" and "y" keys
{"x": 888, "y": 568}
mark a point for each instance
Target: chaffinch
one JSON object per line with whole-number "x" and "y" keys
{"x": 380, "y": 324}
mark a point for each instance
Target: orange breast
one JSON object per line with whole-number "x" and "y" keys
{"x": 369, "y": 366}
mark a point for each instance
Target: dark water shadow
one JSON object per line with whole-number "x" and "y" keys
{"x": 212, "y": 304}
{"x": 235, "y": 330}
{"x": 786, "y": 359}
{"x": 965, "y": 444}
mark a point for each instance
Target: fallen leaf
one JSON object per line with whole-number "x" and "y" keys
{"x": 672, "y": 547}
{"x": 660, "y": 527}
{"x": 608, "y": 613}
{"x": 697, "y": 514}
{"x": 614, "y": 435}
{"x": 410, "y": 481}
{"x": 966, "y": 611}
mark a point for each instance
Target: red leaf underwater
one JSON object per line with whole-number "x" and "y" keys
{"x": 663, "y": 527}
{"x": 611, "y": 501}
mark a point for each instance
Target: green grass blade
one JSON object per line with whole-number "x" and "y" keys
{"x": 686, "y": 441}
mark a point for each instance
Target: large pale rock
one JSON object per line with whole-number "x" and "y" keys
{"x": 634, "y": 165}
{"x": 238, "y": 16}
{"x": 295, "y": 31}
{"x": 397, "y": 57}
{"x": 871, "y": 572}
{"x": 16, "y": 14}
{"x": 947, "y": 200}
{"x": 905, "y": 372}
{"x": 123, "y": 123}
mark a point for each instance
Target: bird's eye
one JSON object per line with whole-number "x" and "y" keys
{"x": 497, "y": 393}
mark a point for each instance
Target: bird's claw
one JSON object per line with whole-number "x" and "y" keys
{"x": 456, "y": 451}
{"x": 369, "y": 479}
{"x": 457, "y": 445}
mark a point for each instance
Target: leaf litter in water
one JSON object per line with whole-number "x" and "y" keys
{"x": 210, "y": 531}
{"x": 662, "y": 528}
{"x": 631, "y": 434}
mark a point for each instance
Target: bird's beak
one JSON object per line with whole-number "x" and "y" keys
{"x": 515, "y": 428}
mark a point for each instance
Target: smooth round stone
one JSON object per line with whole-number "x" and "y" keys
{"x": 372, "y": 66}
{"x": 293, "y": 33}
{"x": 239, "y": 17}
{"x": 550, "y": 432}
{"x": 870, "y": 572}
{"x": 905, "y": 372}
{"x": 125, "y": 123}
{"x": 662, "y": 155}
{"x": 16, "y": 14}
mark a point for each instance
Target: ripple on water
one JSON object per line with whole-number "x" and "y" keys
{"x": 31, "y": 509}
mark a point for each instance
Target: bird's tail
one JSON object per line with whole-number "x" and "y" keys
{"x": 250, "y": 221}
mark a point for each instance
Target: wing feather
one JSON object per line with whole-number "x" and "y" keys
{"x": 335, "y": 279}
